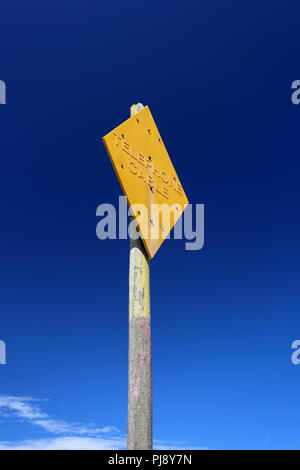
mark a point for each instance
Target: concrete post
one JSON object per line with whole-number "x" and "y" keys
{"x": 139, "y": 429}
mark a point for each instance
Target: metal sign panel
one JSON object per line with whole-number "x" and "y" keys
{"x": 147, "y": 177}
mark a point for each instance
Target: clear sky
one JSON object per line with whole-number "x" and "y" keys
{"x": 217, "y": 77}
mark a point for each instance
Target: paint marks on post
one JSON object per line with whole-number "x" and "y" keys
{"x": 140, "y": 385}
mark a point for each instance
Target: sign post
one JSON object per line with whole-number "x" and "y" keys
{"x": 153, "y": 191}
{"x": 139, "y": 426}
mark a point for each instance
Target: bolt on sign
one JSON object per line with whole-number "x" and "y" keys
{"x": 147, "y": 177}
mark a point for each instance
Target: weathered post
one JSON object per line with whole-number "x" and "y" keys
{"x": 139, "y": 432}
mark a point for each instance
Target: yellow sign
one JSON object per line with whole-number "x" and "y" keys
{"x": 147, "y": 177}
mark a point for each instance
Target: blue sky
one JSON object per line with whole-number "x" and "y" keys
{"x": 217, "y": 77}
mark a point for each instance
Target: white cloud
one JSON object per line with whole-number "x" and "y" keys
{"x": 21, "y": 408}
{"x": 174, "y": 445}
{"x": 25, "y": 408}
{"x": 68, "y": 436}
{"x": 66, "y": 443}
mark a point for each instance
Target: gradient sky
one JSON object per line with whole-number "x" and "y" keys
{"x": 217, "y": 77}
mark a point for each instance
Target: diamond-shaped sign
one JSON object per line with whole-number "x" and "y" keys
{"x": 147, "y": 177}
